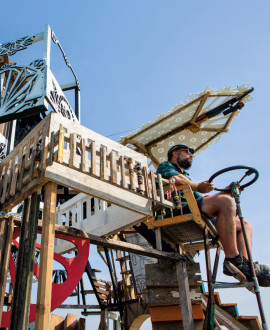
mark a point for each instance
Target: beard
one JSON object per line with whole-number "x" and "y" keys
{"x": 185, "y": 164}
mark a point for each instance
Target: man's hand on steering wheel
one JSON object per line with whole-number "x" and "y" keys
{"x": 205, "y": 187}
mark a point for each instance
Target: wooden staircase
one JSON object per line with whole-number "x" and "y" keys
{"x": 162, "y": 295}
{"x": 227, "y": 315}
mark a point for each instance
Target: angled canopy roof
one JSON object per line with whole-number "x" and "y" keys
{"x": 198, "y": 121}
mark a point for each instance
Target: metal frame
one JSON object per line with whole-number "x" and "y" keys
{"x": 43, "y": 88}
{"x": 211, "y": 276}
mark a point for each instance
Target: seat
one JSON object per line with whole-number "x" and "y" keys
{"x": 187, "y": 230}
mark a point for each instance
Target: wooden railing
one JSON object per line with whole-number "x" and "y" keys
{"x": 65, "y": 152}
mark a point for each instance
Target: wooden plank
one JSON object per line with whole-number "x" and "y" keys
{"x": 99, "y": 189}
{"x": 174, "y": 313}
{"x": 123, "y": 172}
{"x": 83, "y": 155}
{"x": 51, "y": 154}
{"x": 156, "y": 296}
{"x": 113, "y": 166}
{"x": 125, "y": 276}
{"x": 165, "y": 275}
{"x": 198, "y": 110}
{"x": 103, "y": 163}
{"x": 193, "y": 206}
{"x": 158, "y": 239}
{"x": 5, "y": 183}
{"x": 175, "y": 325}
{"x": 61, "y": 143}
{"x": 160, "y": 188}
{"x": 146, "y": 181}
{"x": 112, "y": 243}
{"x": 33, "y": 158}
{"x": 170, "y": 221}
{"x": 185, "y": 300}
{"x": 27, "y": 155}
{"x": 46, "y": 258}
{"x": 6, "y": 233}
{"x": 216, "y": 297}
{"x": 56, "y": 322}
{"x": 14, "y": 180}
{"x": 26, "y": 191}
{"x": 99, "y": 285}
{"x": 72, "y": 150}
{"x": 44, "y": 151}
{"x": 11, "y": 171}
{"x": 153, "y": 184}
{"x": 81, "y": 324}
{"x": 250, "y": 322}
{"x": 93, "y": 158}
{"x": 230, "y": 309}
{"x": 25, "y": 265}
{"x": 70, "y": 322}
{"x": 141, "y": 188}
{"x": 131, "y": 174}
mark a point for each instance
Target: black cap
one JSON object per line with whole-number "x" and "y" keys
{"x": 178, "y": 147}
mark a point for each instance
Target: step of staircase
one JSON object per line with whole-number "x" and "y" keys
{"x": 251, "y": 322}
{"x": 230, "y": 309}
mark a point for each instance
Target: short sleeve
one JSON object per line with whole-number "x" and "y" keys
{"x": 167, "y": 170}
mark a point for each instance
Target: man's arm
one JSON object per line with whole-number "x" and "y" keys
{"x": 202, "y": 187}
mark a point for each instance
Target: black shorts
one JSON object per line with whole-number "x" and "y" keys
{"x": 187, "y": 210}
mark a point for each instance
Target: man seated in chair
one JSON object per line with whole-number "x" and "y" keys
{"x": 221, "y": 210}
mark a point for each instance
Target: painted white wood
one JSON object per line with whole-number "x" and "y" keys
{"x": 100, "y": 189}
{"x": 100, "y": 220}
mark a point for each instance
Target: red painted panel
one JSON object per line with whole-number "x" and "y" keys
{"x": 60, "y": 292}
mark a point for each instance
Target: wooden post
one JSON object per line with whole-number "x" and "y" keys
{"x": 6, "y": 232}
{"x": 103, "y": 163}
{"x": 131, "y": 174}
{"x": 46, "y": 258}
{"x": 158, "y": 239}
{"x": 61, "y": 144}
{"x": 25, "y": 265}
{"x": 122, "y": 170}
{"x": 184, "y": 293}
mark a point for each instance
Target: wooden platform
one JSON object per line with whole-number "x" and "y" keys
{"x": 81, "y": 159}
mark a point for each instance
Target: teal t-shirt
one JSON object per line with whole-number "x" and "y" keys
{"x": 168, "y": 169}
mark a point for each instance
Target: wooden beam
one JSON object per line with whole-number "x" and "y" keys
{"x": 170, "y": 221}
{"x": 61, "y": 144}
{"x": 174, "y": 313}
{"x": 111, "y": 243}
{"x": 95, "y": 187}
{"x": 201, "y": 104}
{"x": 185, "y": 300}
{"x": 43, "y": 308}
{"x": 25, "y": 265}
{"x": 6, "y": 233}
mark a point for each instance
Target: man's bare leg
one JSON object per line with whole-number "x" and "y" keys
{"x": 228, "y": 225}
{"x": 223, "y": 208}
{"x": 240, "y": 237}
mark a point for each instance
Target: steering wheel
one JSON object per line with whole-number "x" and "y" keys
{"x": 250, "y": 171}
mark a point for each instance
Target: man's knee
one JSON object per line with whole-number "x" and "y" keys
{"x": 213, "y": 205}
{"x": 247, "y": 224}
{"x": 226, "y": 202}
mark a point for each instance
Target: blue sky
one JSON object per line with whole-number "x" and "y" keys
{"x": 136, "y": 59}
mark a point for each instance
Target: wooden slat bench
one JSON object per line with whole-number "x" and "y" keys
{"x": 187, "y": 230}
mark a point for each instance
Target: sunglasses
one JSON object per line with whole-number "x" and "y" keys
{"x": 188, "y": 151}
